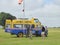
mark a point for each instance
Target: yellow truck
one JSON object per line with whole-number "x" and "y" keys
{"x": 18, "y": 26}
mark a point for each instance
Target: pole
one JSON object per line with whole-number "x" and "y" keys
{"x": 23, "y": 8}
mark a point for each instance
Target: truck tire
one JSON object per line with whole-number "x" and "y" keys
{"x": 20, "y": 35}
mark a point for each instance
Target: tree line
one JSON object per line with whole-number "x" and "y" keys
{"x": 4, "y": 16}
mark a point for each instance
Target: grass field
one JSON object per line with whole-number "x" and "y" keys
{"x": 52, "y": 39}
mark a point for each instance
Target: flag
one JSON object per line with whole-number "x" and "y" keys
{"x": 23, "y": 10}
{"x": 20, "y": 1}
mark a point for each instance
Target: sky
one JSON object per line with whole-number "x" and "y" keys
{"x": 47, "y": 11}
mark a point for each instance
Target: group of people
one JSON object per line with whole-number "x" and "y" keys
{"x": 29, "y": 31}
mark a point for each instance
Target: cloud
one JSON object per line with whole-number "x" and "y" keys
{"x": 48, "y": 15}
{"x": 33, "y": 4}
{"x": 48, "y": 11}
{"x": 56, "y": 2}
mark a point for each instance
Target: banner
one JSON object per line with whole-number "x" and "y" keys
{"x": 20, "y": 1}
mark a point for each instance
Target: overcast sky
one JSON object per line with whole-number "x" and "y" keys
{"x": 47, "y": 11}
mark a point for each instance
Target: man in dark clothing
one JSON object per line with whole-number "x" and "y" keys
{"x": 43, "y": 32}
{"x": 36, "y": 30}
{"x": 43, "y": 28}
{"x": 30, "y": 32}
{"x": 27, "y": 31}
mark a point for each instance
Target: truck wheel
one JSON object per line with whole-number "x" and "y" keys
{"x": 20, "y": 35}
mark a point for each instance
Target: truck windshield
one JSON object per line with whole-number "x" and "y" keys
{"x": 36, "y": 20}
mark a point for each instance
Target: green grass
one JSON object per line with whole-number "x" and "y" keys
{"x": 52, "y": 39}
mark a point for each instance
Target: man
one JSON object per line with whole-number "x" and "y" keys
{"x": 27, "y": 31}
{"x": 36, "y": 30}
{"x": 30, "y": 32}
{"x": 43, "y": 32}
{"x": 46, "y": 31}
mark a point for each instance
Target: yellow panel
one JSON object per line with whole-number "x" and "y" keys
{"x": 8, "y": 21}
{"x": 20, "y": 21}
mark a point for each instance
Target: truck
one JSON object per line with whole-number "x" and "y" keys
{"x": 18, "y": 26}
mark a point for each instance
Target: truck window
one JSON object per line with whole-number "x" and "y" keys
{"x": 36, "y": 20}
{"x": 18, "y": 26}
{"x": 7, "y": 26}
{"x": 26, "y": 25}
{"x": 38, "y": 27}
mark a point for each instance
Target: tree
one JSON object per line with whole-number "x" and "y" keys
{"x": 4, "y": 16}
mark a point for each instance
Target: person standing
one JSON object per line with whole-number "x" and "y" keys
{"x": 46, "y": 31}
{"x": 27, "y": 31}
{"x": 31, "y": 28}
{"x": 43, "y": 32}
{"x": 30, "y": 35}
{"x": 36, "y": 31}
